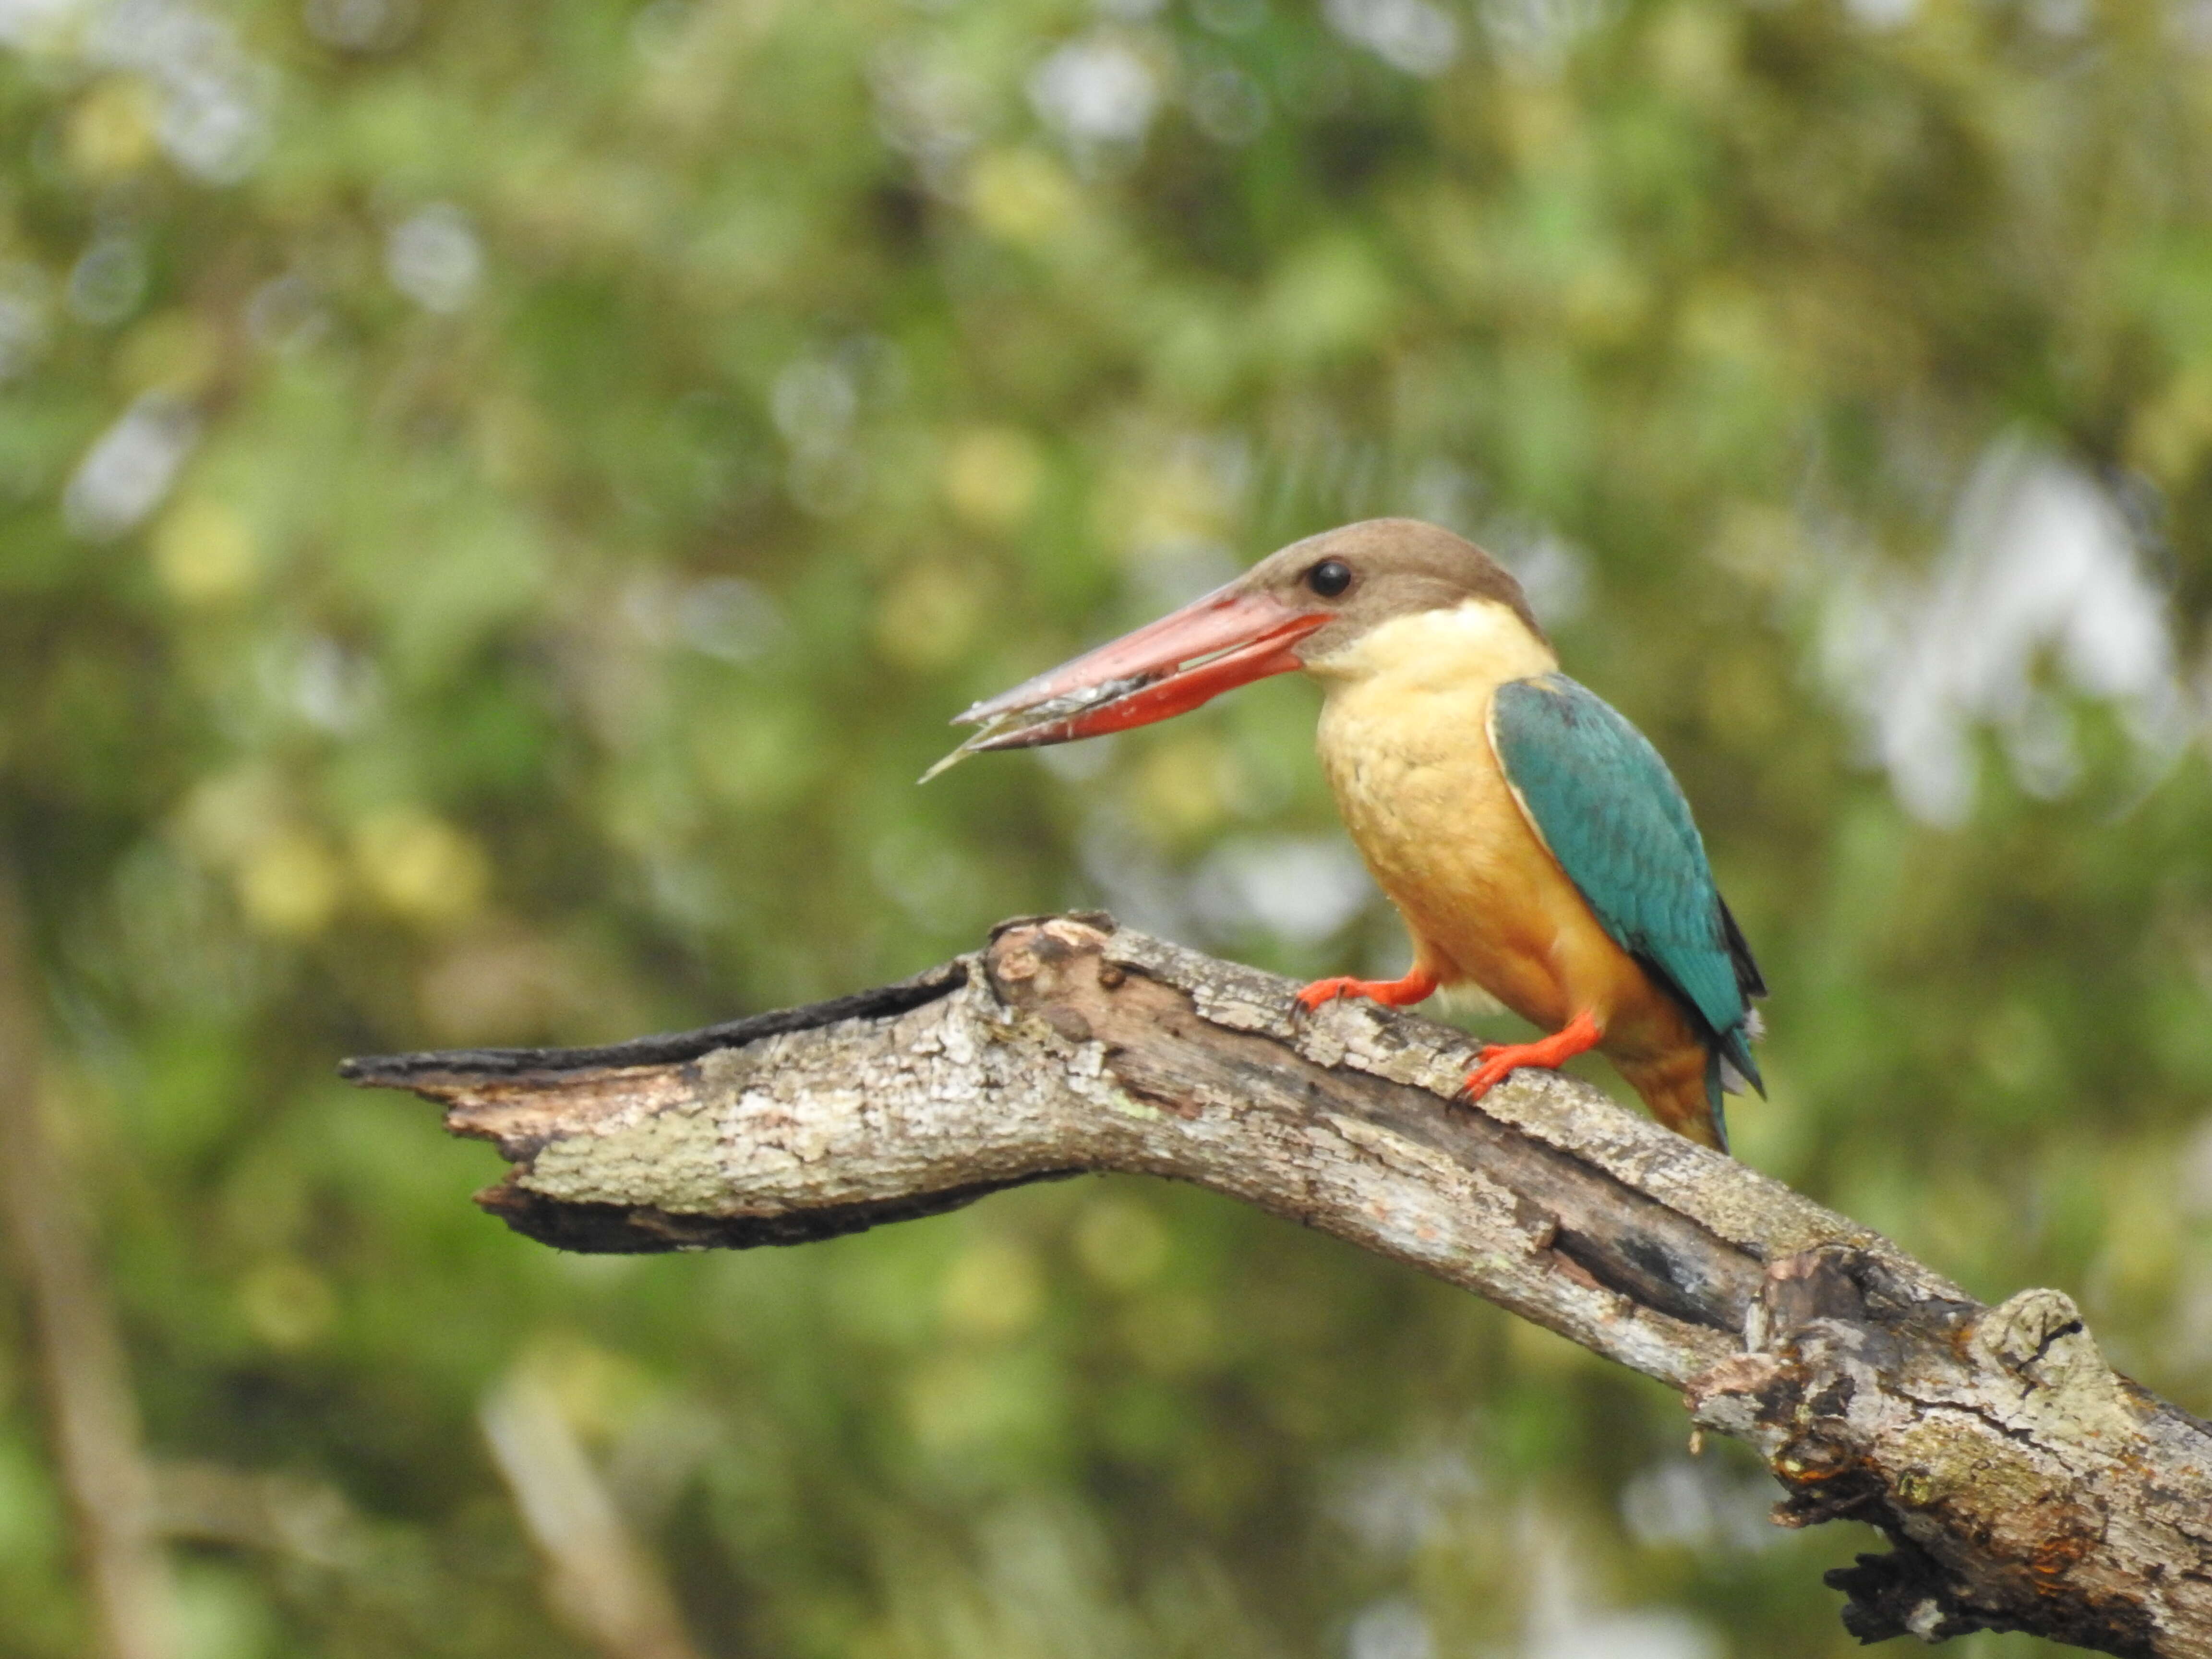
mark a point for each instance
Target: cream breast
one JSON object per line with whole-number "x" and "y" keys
{"x": 1405, "y": 741}
{"x": 1404, "y": 726}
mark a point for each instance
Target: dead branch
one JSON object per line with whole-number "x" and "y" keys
{"x": 2022, "y": 1483}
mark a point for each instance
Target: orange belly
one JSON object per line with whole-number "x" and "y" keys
{"x": 1409, "y": 760}
{"x": 1501, "y": 914}
{"x": 1488, "y": 905}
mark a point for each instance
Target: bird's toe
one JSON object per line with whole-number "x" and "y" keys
{"x": 1324, "y": 990}
{"x": 1497, "y": 1065}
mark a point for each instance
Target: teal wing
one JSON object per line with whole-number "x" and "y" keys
{"x": 1613, "y": 817}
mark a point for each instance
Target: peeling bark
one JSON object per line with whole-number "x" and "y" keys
{"x": 2022, "y": 1483}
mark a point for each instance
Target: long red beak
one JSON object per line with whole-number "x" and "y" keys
{"x": 1227, "y": 639}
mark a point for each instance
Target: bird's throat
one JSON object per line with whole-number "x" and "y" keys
{"x": 1473, "y": 647}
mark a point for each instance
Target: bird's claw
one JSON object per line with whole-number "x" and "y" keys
{"x": 1327, "y": 990}
{"x": 1497, "y": 1062}
{"x": 1418, "y": 984}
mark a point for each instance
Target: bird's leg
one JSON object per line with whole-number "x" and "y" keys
{"x": 1420, "y": 984}
{"x": 1498, "y": 1059}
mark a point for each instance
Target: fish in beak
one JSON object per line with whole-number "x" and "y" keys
{"x": 1228, "y": 638}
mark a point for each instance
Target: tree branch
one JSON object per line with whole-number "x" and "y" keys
{"x": 2022, "y": 1483}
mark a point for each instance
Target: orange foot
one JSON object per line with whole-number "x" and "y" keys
{"x": 1500, "y": 1059}
{"x": 1417, "y": 985}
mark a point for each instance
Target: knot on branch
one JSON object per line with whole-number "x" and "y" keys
{"x": 1960, "y": 1432}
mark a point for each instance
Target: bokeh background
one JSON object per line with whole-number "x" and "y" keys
{"x": 497, "y": 504}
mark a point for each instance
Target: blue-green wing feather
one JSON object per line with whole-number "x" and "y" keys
{"x": 1615, "y": 818}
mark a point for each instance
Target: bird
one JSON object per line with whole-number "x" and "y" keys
{"x": 1533, "y": 841}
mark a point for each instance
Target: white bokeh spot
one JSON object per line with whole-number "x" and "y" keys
{"x": 2040, "y": 564}
{"x": 434, "y": 259}
{"x": 1096, "y": 91}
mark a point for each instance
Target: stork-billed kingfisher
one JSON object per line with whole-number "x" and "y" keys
{"x": 1533, "y": 840}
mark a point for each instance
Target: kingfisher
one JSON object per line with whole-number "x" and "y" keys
{"x": 1533, "y": 841}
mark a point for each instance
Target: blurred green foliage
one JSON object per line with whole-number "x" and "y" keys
{"x": 497, "y": 504}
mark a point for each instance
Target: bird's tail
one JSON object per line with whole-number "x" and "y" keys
{"x": 1729, "y": 1070}
{"x": 1738, "y": 1070}
{"x": 1717, "y": 1098}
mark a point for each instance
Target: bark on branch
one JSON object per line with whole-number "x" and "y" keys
{"x": 2022, "y": 1483}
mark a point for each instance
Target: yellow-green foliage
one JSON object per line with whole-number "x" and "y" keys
{"x": 497, "y": 502}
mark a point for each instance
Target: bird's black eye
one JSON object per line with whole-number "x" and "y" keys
{"x": 1329, "y": 578}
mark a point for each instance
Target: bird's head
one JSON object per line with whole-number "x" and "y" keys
{"x": 1301, "y": 607}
